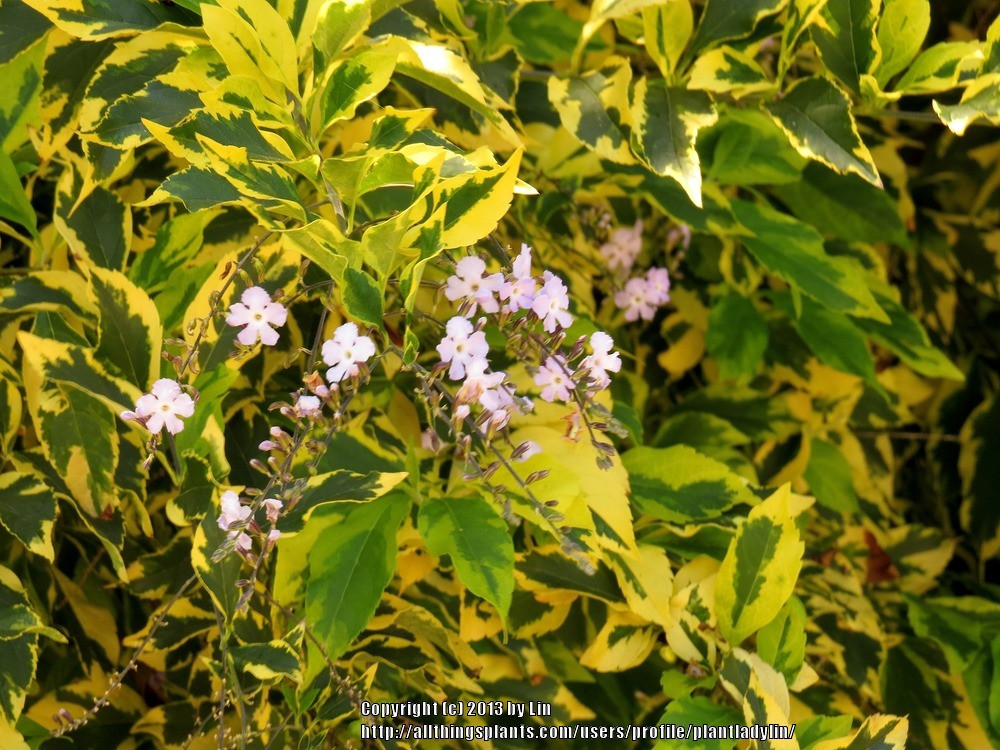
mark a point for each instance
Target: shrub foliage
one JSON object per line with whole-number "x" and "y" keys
{"x": 782, "y": 509}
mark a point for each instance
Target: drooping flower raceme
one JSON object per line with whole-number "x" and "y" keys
{"x": 555, "y": 379}
{"x": 602, "y": 361}
{"x": 551, "y": 304}
{"x": 461, "y": 346}
{"x": 162, "y": 407}
{"x": 233, "y": 511}
{"x": 345, "y": 352}
{"x": 471, "y": 284}
{"x": 622, "y": 247}
{"x": 258, "y": 315}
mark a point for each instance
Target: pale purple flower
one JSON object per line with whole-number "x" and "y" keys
{"x": 532, "y": 448}
{"x": 478, "y": 380}
{"x": 622, "y": 248}
{"x": 257, "y": 313}
{"x": 603, "y": 360}
{"x": 461, "y": 346}
{"x": 470, "y": 283}
{"x": 345, "y": 352}
{"x": 272, "y": 507}
{"x": 273, "y": 535}
{"x": 233, "y": 511}
{"x": 519, "y": 290}
{"x": 553, "y": 377}
{"x": 551, "y": 304}
{"x": 658, "y": 286}
{"x": 635, "y": 299}
{"x": 308, "y": 406}
{"x": 162, "y": 407}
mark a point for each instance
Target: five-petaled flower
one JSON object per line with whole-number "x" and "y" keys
{"x": 162, "y": 407}
{"x": 257, "y": 313}
{"x": 461, "y": 346}
{"x": 233, "y": 511}
{"x": 551, "y": 304}
{"x": 555, "y": 379}
{"x": 469, "y": 283}
{"x": 519, "y": 290}
{"x": 603, "y": 360}
{"x": 345, "y": 352}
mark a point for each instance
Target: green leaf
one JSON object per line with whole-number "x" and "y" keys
{"x": 981, "y": 100}
{"x": 667, "y": 28}
{"x": 18, "y": 654}
{"x": 98, "y": 229}
{"x": 903, "y": 335}
{"x": 14, "y": 204}
{"x": 339, "y": 486}
{"x": 746, "y": 147}
{"x": 782, "y": 642}
{"x": 267, "y": 662}
{"x": 878, "y": 731}
{"x": 829, "y": 477}
{"x": 130, "y": 331}
{"x": 667, "y": 121}
{"x": 556, "y": 571}
{"x": 339, "y": 23}
{"x": 736, "y": 337}
{"x": 349, "y": 568}
{"x": 816, "y": 117}
{"x": 846, "y": 39}
{"x": 698, "y": 711}
{"x": 594, "y": 107}
{"x": 19, "y": 97}
{"x": 845, "y": 206}
{"x": 939, "y": 68}
{"x": 20, "y": 27}
{"x": 961, "y": 625}
{"x": 679, "y": 484}
{"x": 832, "y": 337}
{"x": 731, "y": 19}
{"x": 449, "y": 73}
{"x": 901, "y": 33}
{"x": 122, "y": 126}
{"x": 100, "y": 19}
{"x": 980, "y": 513}
{"x": 801, "y": 15}
{"x": 198, "y": 189}
{"x": 28, "y": 510}
{"x": 794, "y": 252}
{"x": 476, "y": 538}
{"x": 362, "y": 297}
{"x": 819, "y": 728}
{"x": 759, "y": 571}
{"x": 356, "y": 80}
{"x": 726, "y": 70}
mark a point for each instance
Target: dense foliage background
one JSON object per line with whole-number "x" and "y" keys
{"x": 784, "y": 509}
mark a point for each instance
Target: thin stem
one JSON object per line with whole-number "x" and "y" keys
{"x": 906, "y": 435}
{"x": 116, "y": 683}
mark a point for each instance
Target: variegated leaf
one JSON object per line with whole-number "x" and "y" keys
{"x": 760, "y": 569}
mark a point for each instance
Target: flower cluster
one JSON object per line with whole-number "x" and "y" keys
{"x": 235, "y": 519}
{"x": 642, "y": 295}
{"x": 544, "y": 302}
{"x": 163, "y": 406}
{"x": 622, "y": 247}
